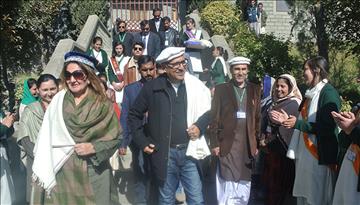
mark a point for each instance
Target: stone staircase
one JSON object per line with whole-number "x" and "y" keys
{"x": 93, "y": 27}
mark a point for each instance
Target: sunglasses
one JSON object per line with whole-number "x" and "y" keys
{"x": 78, "y": 75}
{"x": 137, "y": 49}
{"x": 121, "y": 26}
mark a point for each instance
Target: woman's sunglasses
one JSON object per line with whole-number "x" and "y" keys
{"x": 78, "y": 75}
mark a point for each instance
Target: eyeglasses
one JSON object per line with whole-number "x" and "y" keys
{"x": 121, "y": 26}
{"x": 78, "y": 75}
{"x": 178, "y": 64}
{"x": 137, "y": 49}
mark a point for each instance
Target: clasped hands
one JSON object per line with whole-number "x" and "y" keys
{"x": 282, "y": 118}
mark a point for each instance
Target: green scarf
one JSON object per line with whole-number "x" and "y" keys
{"x": 91, "y": 120}
{"x": 27, "y": 96}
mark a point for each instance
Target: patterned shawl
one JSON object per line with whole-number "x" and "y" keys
{"x": 91, "y": 120}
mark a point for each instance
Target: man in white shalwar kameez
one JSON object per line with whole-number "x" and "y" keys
{"x": 235, "y": 114}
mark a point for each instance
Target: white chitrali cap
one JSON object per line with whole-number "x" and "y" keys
{"x": 170, "y": 53}
{"x": 239, "y": 60}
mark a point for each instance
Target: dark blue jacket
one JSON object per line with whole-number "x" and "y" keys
{"x": 131, "y": 91}
{"x": 252, "y": 13}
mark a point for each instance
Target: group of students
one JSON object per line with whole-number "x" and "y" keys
{"x": 156, "y": 106}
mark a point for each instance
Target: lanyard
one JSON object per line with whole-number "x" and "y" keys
{"x": 123, "y": 37}
{"x": 239, "y": 98}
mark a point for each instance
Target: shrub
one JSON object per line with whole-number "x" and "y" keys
{"x": 268, "y": 54}
{"x": 217, "y": 16}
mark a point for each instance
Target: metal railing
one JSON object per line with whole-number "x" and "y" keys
{"x": 134, "y": 11}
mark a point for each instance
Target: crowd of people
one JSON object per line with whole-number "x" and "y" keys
{"x": 182, "y": 132}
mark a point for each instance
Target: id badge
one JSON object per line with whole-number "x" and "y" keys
{"x": 351, "y": 155}
{"x": 166, "y": 42}
{"x": 240, "y": 115}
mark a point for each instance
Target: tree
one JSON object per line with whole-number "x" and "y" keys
{"x": 330, "y": 22}
{"x": 30, "y": 31}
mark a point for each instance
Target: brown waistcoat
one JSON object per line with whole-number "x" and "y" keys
{"x": 223, "y": 112}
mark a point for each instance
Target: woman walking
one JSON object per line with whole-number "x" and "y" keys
{"x": 79, "y": 134}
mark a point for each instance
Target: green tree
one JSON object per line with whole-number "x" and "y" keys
{"x": 30, "y": 31}
{"x": 217, "y": 17}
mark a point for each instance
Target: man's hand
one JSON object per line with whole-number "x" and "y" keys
{"x": 122, "y": 151}
{"x": 193, "y": 132}
{"x": 215, "y": 151}
{"x": 8, "y": 121}
{"x": 149, "y": 149}
{"x": 345, "y": 120}
{"x": 84, "y": 149}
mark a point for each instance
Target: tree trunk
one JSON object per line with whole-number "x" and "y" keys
{"x": 321, "y": 36}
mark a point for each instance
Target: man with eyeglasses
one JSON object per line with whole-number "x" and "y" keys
{"x": 126, "y": 38}
{"x": 176, "y": 104}
{"x": 147, "y": 71}
{"x": 150, "y": 40}
{"x": 131, "y": 73}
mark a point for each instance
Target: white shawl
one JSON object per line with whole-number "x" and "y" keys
{"x": 54, "y": 144}
{"x": 198, "y": 102}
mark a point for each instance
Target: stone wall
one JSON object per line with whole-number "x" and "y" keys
{"x": 278, "y": 22}
{"x": 93, "y": 27}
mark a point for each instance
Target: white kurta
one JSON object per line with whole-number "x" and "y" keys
{"x": 119, "y": 94}
{"x": 232, "y": 193}
{"x": 346, "y": 186}
{"x": 314, "y": 184}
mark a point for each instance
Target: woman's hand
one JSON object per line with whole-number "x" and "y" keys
{"x": 278, "y": 117}
{"x": 118, "y": 86}
{"x": 345, "y": 120}
{"x": 8, "y": 121}
{"x": 84, "y": 149}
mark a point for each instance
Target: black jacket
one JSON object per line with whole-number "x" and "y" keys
{"x": 153, "y": 45}
{"x": 173, "y": 40}
{"x": 154, "y": 99}
{"x": 153, "y": 26}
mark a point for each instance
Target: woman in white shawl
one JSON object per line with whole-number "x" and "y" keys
{"x": 279, "y": 171}
{"x": 314, "y": 143}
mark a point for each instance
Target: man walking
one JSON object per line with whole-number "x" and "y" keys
{"x": 147, "y": 71}
{"x": 175, "y": 104}
{"x": 235, "y": 114}
{"x": 150, "y": 40}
